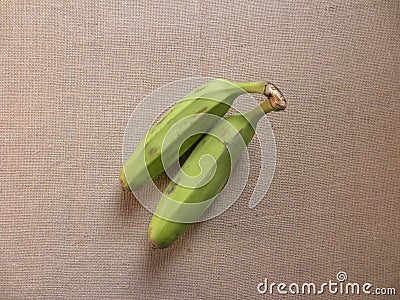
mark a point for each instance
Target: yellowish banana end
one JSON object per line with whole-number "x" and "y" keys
{"x": 123, "y": 181}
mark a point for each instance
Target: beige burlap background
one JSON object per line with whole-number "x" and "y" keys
{"x": 72, "y": 73}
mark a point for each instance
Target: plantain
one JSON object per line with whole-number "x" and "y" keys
{"x": 153, "y": 155}
{"x": 211, "y": 162}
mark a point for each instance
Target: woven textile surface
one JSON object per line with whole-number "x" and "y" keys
{"x": 72, "y": 72}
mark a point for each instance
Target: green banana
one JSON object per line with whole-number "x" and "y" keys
{"x": 151, "y": 157}
{"x": 181, "y": 203}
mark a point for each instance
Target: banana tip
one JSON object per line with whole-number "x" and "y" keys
{"x": 123, "y": 181}
{"x": 153, "y": 245}
{"x": 151, "y": 238}
{"x": 275, "y": 96}
{"x": 124, "y": 186}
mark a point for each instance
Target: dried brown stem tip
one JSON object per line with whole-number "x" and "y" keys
{"x": 275, "y": 96}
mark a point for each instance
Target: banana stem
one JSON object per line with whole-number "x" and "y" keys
{"x": 275, "y": 102}
{"x": 252, "y": 87}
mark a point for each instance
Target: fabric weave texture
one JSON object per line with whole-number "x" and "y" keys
{"x": 73, "y": 71}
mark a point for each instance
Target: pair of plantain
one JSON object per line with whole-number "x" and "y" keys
{"x": 220, "y": 141}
